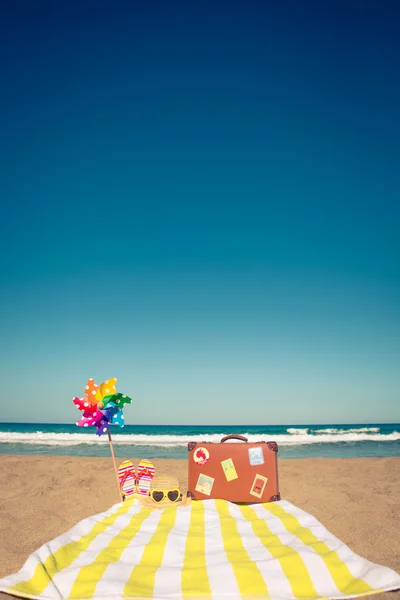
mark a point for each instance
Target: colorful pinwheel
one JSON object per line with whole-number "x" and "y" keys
{"x": 101, "y": 406}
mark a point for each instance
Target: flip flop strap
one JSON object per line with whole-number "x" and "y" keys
{"x": 144, "y": 473}
{"x": 126, "y": 474}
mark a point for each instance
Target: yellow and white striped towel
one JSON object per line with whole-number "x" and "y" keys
{"x": 208, "y": 549}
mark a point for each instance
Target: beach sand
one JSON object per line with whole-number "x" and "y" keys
{"x": 358, "y": 500}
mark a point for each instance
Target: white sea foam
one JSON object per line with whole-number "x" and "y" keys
{"x": 297, "y": 431}
{"x": 290, "y": 439}
{"x": 341, "y": 431}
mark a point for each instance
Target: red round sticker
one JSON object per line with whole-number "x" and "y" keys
{"x": 201, "y": 456}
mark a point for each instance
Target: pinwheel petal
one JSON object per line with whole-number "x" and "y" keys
{"x": 102, "y": 428}
{"x": 94, "y": 419}
{"x": 88, "y": 414}
{"x": 106, "y": 388}
{"x": 78, "y": 403}
{"x": 111, "y": 410}
{"x": 120, "y": 400}
{"x": 106, "y": 415}
{"x": 108, "y": 403}
{"x": 118, "y": 419}
{"x": 84, "y": 422}
{"x": 84, "y": 405}
{"x": 91, "y": 391}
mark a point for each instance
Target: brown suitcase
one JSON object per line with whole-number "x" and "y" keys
{"x": 233, "y": 471}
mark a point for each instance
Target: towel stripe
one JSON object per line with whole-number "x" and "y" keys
{"x": 141, "y": 580}
{"x": 315, "y": 565}
{"x": 339, "y": 571}
{"x": 89, "y": 575}
{"x": 248, "y": 577}
{"x": 277, "y": 583}
{"x": 168, "y": 581}
{"x": 219, "y": 570}
{"x": 374, "y": 575}
{"x": 291, "y": 562}
{"x": 63, "y": 557}
{"x": 194, "y": 573}
{"x": 64, "y": 580}
{"x": 113, "y": 582}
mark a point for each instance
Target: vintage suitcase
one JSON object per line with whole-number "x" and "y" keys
{"x": 238, "y": 472}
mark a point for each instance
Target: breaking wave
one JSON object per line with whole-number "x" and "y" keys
{"x": 292, "y": 437}
{"x": 341, "y": 431}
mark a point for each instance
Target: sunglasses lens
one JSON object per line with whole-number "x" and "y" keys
{"x": 173, "y": 495}
{"x": 157, "y": 496}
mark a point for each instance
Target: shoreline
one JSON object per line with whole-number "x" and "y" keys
{"x": 163, "y": 459}
{"x": 42, "y": 496}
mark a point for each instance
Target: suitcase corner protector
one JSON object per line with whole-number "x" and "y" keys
{"x": 273, "y": 446}
{"x": 275, "y": 498}
{"x": 190, "y": 494}
{"x": 191, "y": 445}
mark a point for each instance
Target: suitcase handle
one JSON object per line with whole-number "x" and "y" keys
{"x": 233, "y": 436}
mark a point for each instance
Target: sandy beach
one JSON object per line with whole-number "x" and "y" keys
{"x": 41, "y": 497}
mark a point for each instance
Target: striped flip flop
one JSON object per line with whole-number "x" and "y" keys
{"x": 144, "y": 476}
{"x": 127, "y": 478}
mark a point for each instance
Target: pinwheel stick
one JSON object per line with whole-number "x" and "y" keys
{"x": 115, "y": 465}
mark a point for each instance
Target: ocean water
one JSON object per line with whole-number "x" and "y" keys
{"x": 170, "y": 441}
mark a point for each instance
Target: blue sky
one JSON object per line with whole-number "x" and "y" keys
{"x": 203, "y": 201}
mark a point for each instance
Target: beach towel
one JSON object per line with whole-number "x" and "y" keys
{"x": 207, "y": 549}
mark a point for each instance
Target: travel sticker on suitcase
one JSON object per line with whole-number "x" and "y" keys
{"x": 204, "y": 484}
{"x": 258, "y": 486}
{"x": 256, "y": 456}
{"x": 229, "y": 469}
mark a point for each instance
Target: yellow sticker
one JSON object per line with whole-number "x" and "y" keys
{"x": 258, "y": 487}
{"x": 229, "y": 469}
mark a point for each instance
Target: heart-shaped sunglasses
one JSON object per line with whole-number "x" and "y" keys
{"x": 173, "y": 495}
